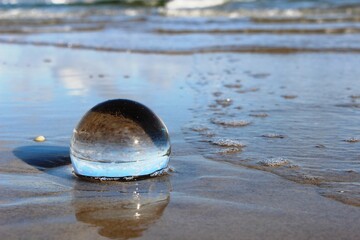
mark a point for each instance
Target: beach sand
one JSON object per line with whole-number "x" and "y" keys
{"x": 213, "y": 192}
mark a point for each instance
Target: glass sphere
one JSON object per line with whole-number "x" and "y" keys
{"x": 119, "y": 138}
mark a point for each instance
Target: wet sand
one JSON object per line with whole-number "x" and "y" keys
{"x": 210, "y": 194}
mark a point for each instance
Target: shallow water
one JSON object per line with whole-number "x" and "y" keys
{"x": 229, "y": 26}
{"x": 45, "y": 91}
{"x": 254, "y": 94}
{"x": 313, "y": 133}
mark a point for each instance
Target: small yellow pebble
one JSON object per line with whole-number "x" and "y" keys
{"x": 39, "y": 139}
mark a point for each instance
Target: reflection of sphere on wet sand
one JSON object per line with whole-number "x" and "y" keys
{"x": 121, "y": 210}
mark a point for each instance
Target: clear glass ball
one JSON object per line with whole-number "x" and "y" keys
{"x": 119, "y": 138}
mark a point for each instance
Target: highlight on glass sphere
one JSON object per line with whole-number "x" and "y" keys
{"x": 119, "y": 138}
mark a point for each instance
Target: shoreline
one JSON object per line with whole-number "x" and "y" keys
{"x": 210, "y": 50}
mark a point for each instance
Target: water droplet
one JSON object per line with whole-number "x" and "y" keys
{"x": 119, "y": 139}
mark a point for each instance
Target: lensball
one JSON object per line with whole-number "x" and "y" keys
{"x": 119, "y": 138}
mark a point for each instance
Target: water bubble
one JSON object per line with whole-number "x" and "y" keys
{"x": 199, "y": 128}
{"x": 260, "y": 75}
{"x": 233, "y": 85}
{"x": 119, "y": 139}
{"x": 259, "y": 115}
{"x": 273, "y": 135}
{"x": 224, "y": 142}
{"x": 289, "y": 96}
{"x": 355, "y": 96}
{"x": 217, "y": 94}
{"x": 248, "y": 90}
{"x": 224, "y": 102}
{"x": 274, "y": 162}
{"x": 231, "y": 150}
{"x": 231, "y": 123}
{"x": 352, "y": 140}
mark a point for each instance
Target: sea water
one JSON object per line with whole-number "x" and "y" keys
{"x": 277, "y": 77}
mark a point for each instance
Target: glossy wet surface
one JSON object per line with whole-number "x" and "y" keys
{"x": 218, "y": 180}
